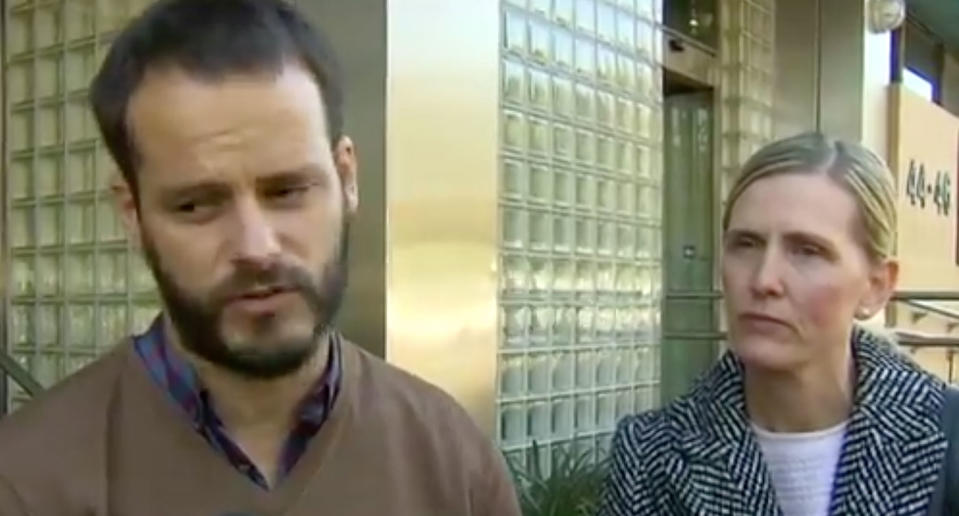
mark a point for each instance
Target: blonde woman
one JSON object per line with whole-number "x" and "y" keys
{"x": 807, "y": 414}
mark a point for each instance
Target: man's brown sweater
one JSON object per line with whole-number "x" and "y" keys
{"x": 109, "y": 442}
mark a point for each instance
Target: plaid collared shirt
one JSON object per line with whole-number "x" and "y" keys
{"x": 174, "y": 375}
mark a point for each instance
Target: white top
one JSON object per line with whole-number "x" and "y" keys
{"x": 802, "y": 467}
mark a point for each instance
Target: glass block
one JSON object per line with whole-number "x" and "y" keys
{"x": 514, "y": 179}
{"x": 563, "y": 325}
{"x": 515, "y": 228}
{"x": 563, "y": 49}
{"x": 48, "y": 274}
{"x": 643, "y": 283}
{"x": 656, "y": 282}
{"x": 585, "y": 236}
{"x": 542, "y": 323}
{"x": 562, "y": 371}
{"x": 515, "y": 32}
{"x": 626, "y": 198}
{"x": 49, "y": 225}
{"x": 585, "y": 277}
{"x": 647, "y": 364}
{"x": 19, "y": 81}
{"x": 47, "y": 25}
{"x": 21, "y": 179}
{"x": 48, "y": 74}
{"x": 606, "y": 368}
{"x": 607, "y": 238}
{"x": 541, "y": 272}
{"x": 604, "y": 109}
{"x": 513, "y": 424}
{"x": 539, "y": 41}
{"x": 141, "y": 278}
{"x": 539, "y": 90}
{"x": 626, "y": 241}
{"x": 79, "y": 273}
{"x": 46, "y": 368}
{"x": 625, "y": 73}
{"x": 517, "y": 319}
{"x": 80, "y": 172}
{"x": 48, "y": 325}
{"x": 109, "y": 227}
{"x": 625, "y": 275}
{"x": 563, "y": 279}
{"x": 604, "y": 153}
{"x": 512, "y": 371}
{"x": 605, "y": 277}
{"x": 539, "y": 420}
{"x": 605, "y": 21}
{"x": 540, "y": 367}
{"x": 539, "y": 136}
{"x": 20, "y": 36}
{"x": 21, "y": 130}
{"x": 584, "y": 330}
{"x": 112, "y": 324}
{"x": 21, "y": 227}
{"x": 645, "y": 39}
{"x": 605, "y": 194}
{"x": 585, "y": 58}
{"x": 541, "y": 7}
{"x": 563, "y": 103}
{"x": 80, "y": 20}
{"x": 624, "y": 318}
{"x": 111, "y": 271}
{"x": 647, "y": 398}
{"x": 80, "y": 221}
{"x": 514, "y": 82}
{"x": 562, "y": 141}
{"x": 563, "y": 187}
{"x": 540, "y": 236}
{"x": 563, "y": 417}
{"x": 22, "y": 327}
{"x": 606, "y": 409}
{"x": 644, "y": 242}
{"x": 49, "y": 128}
{"x": 514, "y": 132}
{"x": 49, "y": 175}
{"x": 515, "y": 273}
{"x": 605, "y": 65}
{"x": 22, "y": 275}
{"x": 585, "y": 148}
{"x": 143, "y": 316}
{"x": 563, "y": 12}
{"x": 585, "y": 104}
{"x": 562, "y": 234}
{"x": 626, "y": 30}
{"x": 586, "y": 15}
{"x": 625, "y": 115}
{"x": 585, "y": 413}
{"x": 625, "y": 158}
{"x": 80, "y": 318}
{"x": 644, "y": 166}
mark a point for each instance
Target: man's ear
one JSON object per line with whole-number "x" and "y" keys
{"x": 344, "y": 156}
{"x": 127, "y": 207}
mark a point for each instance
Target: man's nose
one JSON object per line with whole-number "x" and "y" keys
{"x": 257, "y": 244}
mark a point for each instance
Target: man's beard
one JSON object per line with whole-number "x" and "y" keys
{"x": 198, "y": 321}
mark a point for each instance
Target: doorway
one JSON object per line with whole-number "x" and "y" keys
{"x": 689, "y": 234}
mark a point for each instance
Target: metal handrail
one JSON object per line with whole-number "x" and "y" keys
{"x": 21, "y": 376}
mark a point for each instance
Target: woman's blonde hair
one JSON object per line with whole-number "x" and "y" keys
{"x": 855, "y": 168}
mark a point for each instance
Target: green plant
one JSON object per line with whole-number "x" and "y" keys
{"x": 573, "y": 487}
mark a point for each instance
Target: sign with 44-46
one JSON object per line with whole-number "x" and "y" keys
{"x": 936, "y": 191}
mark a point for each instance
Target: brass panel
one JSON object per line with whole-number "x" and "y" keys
{"x": 363, "y": 65}
{"x": 441, "y": 156}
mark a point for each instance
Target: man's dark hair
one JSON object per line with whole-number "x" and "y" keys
{"x": 208, "y": 39}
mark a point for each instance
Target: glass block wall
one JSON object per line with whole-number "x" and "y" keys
{"x": 71, "y": 286}
{"x": 747, "y": 52}
{"x": 580, "y": 211}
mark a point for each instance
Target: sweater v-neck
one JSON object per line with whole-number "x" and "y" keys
{"x": 168, "y": 418}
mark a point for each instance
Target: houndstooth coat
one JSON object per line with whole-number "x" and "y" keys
{"x": 698, "y": 455}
